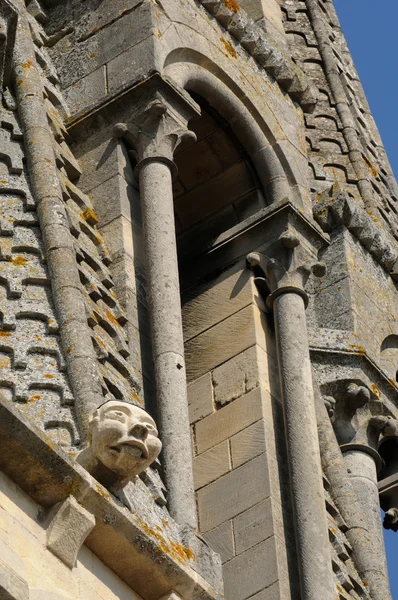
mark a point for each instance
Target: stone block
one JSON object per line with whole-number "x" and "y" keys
{"x": 229, "y": 420}
{"x": 11, "y": 557}
{"x": 12, "y": 585}
{"x": 101, "y": 157}
{"x": 104, "y": 46}
{"x": 248, "y": 444}
{"x": 232, "y": 494}
{"x": 254, "y": 526}
{"x": 36, "y": 594}
{"x": 273, "y": 592}
{"x": 171, "y": 596}
{"x": 211, "y": 465}
{"x": 86, "y": 91}
{"x": 224, "y": 341}
{"x": 236, "y": 377}
{"x": 200, "y": 398}
{"x": 226, "y": 187}
{"x": 214, "y": 301}
{"x": 69, "y": 526}
{"x": 133, "y": 65}
{"x": 333, "y": 306}
{"x": 116, "y": 197}
{"x": 91, "y": 16}
{"x": 221, "y": 540}
{"x": 251, "y": 571}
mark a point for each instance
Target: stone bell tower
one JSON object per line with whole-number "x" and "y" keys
{"x": 198, "y": 320}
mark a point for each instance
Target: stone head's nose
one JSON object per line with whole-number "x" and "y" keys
{"x": 139, "y": 431}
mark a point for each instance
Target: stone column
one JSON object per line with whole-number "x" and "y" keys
{"x": 286, "y": 278}
{"x": 359, "y": 423}
{"x": 161, "y": 129}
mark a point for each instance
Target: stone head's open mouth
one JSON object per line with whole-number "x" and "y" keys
{"x": 134, "y": 448}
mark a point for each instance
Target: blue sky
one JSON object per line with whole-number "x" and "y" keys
{"x": 371, "y": 32}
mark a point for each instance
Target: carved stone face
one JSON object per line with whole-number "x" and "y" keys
{"x": 124, "y": 438}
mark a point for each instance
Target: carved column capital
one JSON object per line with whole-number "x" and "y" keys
{"x": 290, "y": 271}
{"x": 159, "y": 128}
{"x": 360, "y": 420}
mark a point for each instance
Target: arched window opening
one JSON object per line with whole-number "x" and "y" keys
{"x": 217, "y": 186}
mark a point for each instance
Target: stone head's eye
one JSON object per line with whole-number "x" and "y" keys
{"x": 117, "y": 414}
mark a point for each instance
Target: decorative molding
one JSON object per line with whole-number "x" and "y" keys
{"x": 265, "y": 51}
{"x": 289, "y": 273}
{"x": 161, "y": 126}
{"x": 335, "y": 207}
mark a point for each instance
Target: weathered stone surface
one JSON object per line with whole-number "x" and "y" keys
{"x": 221, "y": 539}
{"x": 250, "y": 572}
{"x": 12, "y": 585}
{"x": 236, "y": 377}
{"x": 68, "y": 528}
{"x": 248, "y": 444}
{"x": 228, "y": 420}
{"x": 211, "y": 465}
{"x": 77, "y": 333}
{"x": 233, "y": 493}
{"x": 223, "y": 341}
{"x": 200, "y": 398}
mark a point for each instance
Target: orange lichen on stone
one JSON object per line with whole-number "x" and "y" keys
{"x": 136, "y": 397}
{"x": 35, "y": 398}
{"x": 232, "y": 5}
{"x": 111, "y": 318}
{"x": 89, "y": 216}
{"x": 229, "y": 47}
{"x": 375, "y": 390}
{"x": 19, "y": 261}
{"x": 5, "y": 334}
{"x": 49, "y": 376}
{"x": 358, "y": 350}
{"x": 173, "y": 549}
{"x": 372, "y": 170}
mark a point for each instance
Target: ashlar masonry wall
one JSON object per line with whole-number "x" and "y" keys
{"x": 240, "y": 467}
{"x": 24, "y": 556}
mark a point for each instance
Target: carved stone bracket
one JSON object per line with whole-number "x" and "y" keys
{"x": 289, "y": 273}
{"x": 159, "y": 128}
{"x": 69, "y": 526}
{"x": 8, "y": 26}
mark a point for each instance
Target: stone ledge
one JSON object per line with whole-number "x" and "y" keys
{"x": 265, "y": 51}
{"x": 263, "y": 227}
{"x": 152, "y": 560}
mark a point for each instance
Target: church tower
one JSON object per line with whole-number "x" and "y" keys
{"x": 198, "y": 305}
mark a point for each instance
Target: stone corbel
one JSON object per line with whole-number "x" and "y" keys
{"x": 69, "y": 526}
{"x": 290, "y": 272}
{"x": 8, "y": 26}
